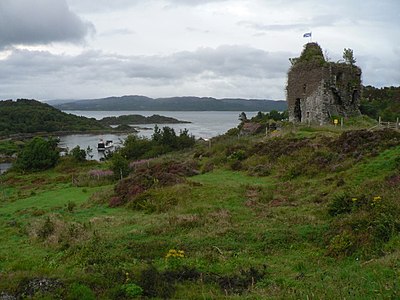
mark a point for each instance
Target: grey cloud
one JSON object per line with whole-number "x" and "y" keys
{"x": 39, "y": 22}
{"x": 103, "y": 6}
{"x": 224, "y": 61}
{"x": 230, "y": 66}
{"x": 226, "y": 71}
{"x": 317, "y": 21}
{"x": 118, "y": 31}
{"x": 272, "y": 27}
{"x": 193, "y": 2}
{"x": 90, "y": 6}
{"x": 193, "y": 29}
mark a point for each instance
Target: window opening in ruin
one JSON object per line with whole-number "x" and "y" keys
{"x": 297, "y": 110}
{"x": 304, "y": 88}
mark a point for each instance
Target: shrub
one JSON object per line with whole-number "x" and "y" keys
{"x": 340, "y": 204}
{"x": 260, "y": 170}
{"x": 160, "y": 174}
{"x": 46, "y": 229}
{"x": 342, "y": 244}
{"x": 163, "y": 141}
{"x": 151, "y": 280}
{"x": 119, "y": 166}
{"x": 38, "y": 154}
{"x": 80, "y": 292}
{"x": 132, "y": 290}
{"x": 78, "y": 154}
{"x": 71, "y": 206}
{"x": 362, "y": 224}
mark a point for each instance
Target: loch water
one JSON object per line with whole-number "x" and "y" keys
{"x": 204, "y": 124}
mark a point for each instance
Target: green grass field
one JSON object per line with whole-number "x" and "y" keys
{"x": 243, "y": 237}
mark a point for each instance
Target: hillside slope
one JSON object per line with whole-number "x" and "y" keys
{"x": 310, "y": 213}
{"x": 30, "y": 116}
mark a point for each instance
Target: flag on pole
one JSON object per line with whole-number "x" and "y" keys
{"x": 307, "y": 34}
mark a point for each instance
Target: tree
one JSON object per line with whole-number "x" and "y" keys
{"x": 119, "y": 165}
{"x": 185, "y": 140}
{"x": 275, "y": 115}
{"x": 38, "y": 154}
{"x": 78, "y": 154}
{"x": 243, "y": 117}
{"x": 348, "y": 56}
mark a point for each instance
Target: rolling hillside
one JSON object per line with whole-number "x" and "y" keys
{"x": 173, "y": 104}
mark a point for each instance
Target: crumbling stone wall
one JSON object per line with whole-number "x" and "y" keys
{"x": 317, "y": 90}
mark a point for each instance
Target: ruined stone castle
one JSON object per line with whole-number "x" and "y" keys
{"x": 318, "y": 90}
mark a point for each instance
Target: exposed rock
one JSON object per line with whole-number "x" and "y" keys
{"x": 43, "y": 285}
{"x": 6, "y": 296}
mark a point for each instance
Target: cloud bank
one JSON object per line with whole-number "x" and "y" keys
{"x": 37, "y": 22}
{"x": 235, "y": 71}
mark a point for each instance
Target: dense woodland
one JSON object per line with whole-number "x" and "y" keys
{"x": 381, "y": 102}
{"x": 30, "y": 116}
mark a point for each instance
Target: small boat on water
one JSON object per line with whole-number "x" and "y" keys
{"x": 103, "y": 146}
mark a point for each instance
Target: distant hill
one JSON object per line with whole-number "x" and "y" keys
{"x": 139, "y": 103}
{"x": 31, "y": 116}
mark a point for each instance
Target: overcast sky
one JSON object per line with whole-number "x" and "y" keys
{"x": 76, "y": 49}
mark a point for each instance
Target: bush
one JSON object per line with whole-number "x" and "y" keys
{"x": 80, "y": 292}
{"x": 163, "y": 141}
{"x": 38, "y": 154}
{"x": 362, "y": 224}
{"x": 119, "y": 166}
{"x": 154, "y": 284}
{"x": 47, "y": 229}
{"x": 78, "y": 154}
{"x": 340, "y": 204}
{"x": 71, "y": 205}
{"x": 145, "y": 177}
{"x": 132, "y": 290}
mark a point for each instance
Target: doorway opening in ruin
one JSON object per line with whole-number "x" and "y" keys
{"x": 297, "y": 110}
{"x": 354, "y": 96}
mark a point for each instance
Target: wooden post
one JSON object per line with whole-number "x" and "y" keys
{"x": 397, "y": 123}
{"x": 341, "y": 122}
{"x": 379, "y": 121}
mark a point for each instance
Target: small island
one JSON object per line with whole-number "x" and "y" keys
{"x": 139, "y": 119}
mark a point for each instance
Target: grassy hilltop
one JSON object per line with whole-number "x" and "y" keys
{"x": 306, "y": 213}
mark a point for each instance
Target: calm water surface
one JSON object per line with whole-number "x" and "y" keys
{"x": 4, "y": 167}
{"x": 205, "y": 124}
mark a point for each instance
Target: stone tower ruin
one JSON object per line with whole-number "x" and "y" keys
{"x": 318, "y": 90}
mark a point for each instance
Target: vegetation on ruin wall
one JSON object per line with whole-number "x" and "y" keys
{"x": 311, "y": 213}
